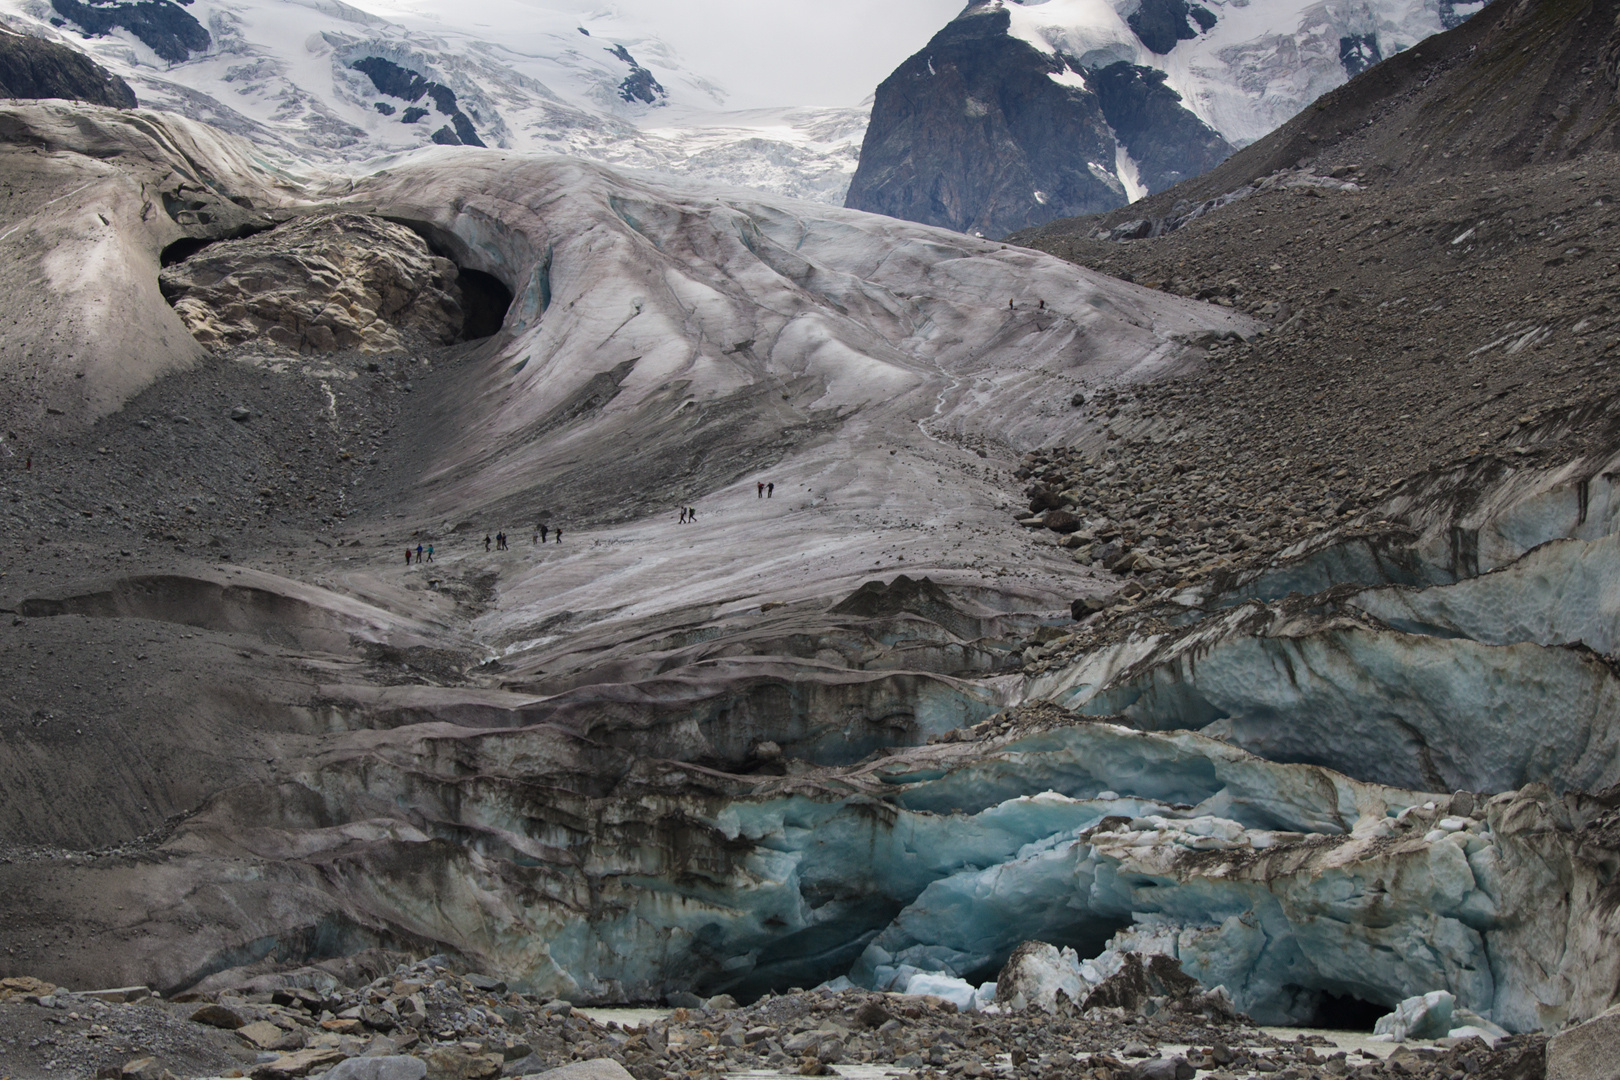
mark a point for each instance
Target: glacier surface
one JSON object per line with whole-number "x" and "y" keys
{"x": 745, "y": 767}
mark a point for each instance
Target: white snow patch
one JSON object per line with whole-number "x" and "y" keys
{"x": 1129, "y": 174}
{"x": 1069, "y": 77}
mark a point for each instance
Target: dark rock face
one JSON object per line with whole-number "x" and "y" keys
{"x": 1162, "y": 23}
{"x": 399, "y": 82}
{"x": 1358, "y": 52}
{"x": 1168, "y": 143}
{"x": 166, "y": 28}
{"x": 31, "y": 67}
{"x": 976, "y": 133}
{"x": 973, "y": 134}
{"x": 639, "y": 85}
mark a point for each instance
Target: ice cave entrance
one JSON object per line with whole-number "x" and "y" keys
{"x": 485, "y": 298}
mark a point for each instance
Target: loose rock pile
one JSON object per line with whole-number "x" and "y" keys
{"x": 470, "y": 1027}
{"x": 1410, "y": 329}
{"x": 1161, "y": 518}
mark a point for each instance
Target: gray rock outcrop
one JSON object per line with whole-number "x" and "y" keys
{"x": 1590, "y": 1051}
{"x": 319, "y": 284}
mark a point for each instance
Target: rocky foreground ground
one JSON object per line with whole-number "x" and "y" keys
{"x": 469, "y": 1027}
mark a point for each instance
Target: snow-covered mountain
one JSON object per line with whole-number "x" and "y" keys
{"x": 329, "y": 81}
{"x": 1241, "y": 66}
{"x": 1022, "y": 111}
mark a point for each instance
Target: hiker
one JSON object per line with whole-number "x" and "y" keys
{"x": 419, "y": 554}
{"x": 559, "y": 534}
{"x": 1011, "y": 306}
{"x": 762, "y": 489}
{"x": 535, "y": 541}
{"x": 691, "y": 514}
{"x": 770, "y": 489}
{"x": 486, "y": 541}
{"x": 1043, "y": 305}
{"x": 407, "y": 556}
{"x": 430, "y": 553}
{"x": 683, "y": 515}
{"x": 543, "y": 530}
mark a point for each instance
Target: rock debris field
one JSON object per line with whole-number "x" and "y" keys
{"x": 468, "y": 1027}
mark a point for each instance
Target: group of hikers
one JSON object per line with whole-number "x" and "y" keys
{"x": 498, "y": 542}
{"x": 546, "y": 533}
{"x": 540, "y": 535}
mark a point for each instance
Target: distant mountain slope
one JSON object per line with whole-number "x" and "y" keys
{"x": 976, "y": 131}
{"x": 325, "y": 81}
{"x": 1527, "y": 82}
{"x": 33, "y": 68}
{"x": 983, "y": 132}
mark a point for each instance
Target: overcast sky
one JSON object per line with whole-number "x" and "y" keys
{"x": 793, "y": 52}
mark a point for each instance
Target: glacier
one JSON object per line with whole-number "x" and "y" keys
{"x": 789, "y": 746}
{"x": 527, "y": 78}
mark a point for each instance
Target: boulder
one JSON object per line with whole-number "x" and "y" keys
{"x": 488, "y": 984}
{"x": 261, "y": 1033}
{"x": 594, "y": 1069}
{"x": 1087, "y": 606}
{"x": 1062, "y": 521}
{"x": 220, "y": 1016}
{"x": 456, "y": 1063}
{"x": 1042, "y": 497}
{"x": 1589, "y": 1051}
{"x": 1163, "y": 1068}
{"x": 392, "y": 1067}
{"x": 298, "y": 1063}
{"x": 871, "y": 1014}
{"x": 24, "y": 986}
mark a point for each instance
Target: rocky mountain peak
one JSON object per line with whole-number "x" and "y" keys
{"x": 32, "y": 67}
{"x": 1178, "y": 85}
{"x": 983, "y": 131}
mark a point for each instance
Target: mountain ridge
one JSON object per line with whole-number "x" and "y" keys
{"x": 1180, "y": 87}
